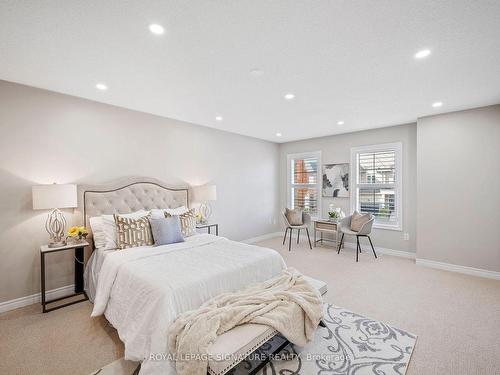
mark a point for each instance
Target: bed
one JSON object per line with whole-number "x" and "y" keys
{"x": 142, "y": 290}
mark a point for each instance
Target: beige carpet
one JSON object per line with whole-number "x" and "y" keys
{"x": 456, "y": 317}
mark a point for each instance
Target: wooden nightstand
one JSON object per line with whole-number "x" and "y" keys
{"x": 208, "y": 226}
{"x": 78, "y": 247}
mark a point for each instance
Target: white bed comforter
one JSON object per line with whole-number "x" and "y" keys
{"x": 141, "y": 291}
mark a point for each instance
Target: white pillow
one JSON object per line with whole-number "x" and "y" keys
{"x": 97, "y": 232}
{"x": 109, "y": 227}
{"x": 158, "y": 213}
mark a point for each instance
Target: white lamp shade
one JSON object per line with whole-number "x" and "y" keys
{"x": 47, "y": 197}
{"x": 205, "y": 193}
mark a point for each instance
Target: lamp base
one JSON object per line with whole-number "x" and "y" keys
{"x": 57, "y": 244}
{"x": 55, "y": 226}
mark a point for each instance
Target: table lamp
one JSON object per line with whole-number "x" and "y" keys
{"x": 203, "y": 194}
{"x": 53, "y": 197}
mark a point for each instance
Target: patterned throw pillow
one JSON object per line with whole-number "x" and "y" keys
{"x": 294, "y": 216}
{"x": 188, "y": 222}
{"x": 358, "y": 220}
{"x": 133, "y": 232}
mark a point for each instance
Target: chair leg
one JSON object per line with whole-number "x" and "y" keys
{"x": 340, "y": 244}
{"x": 290, "y": 240}
{"x": 298, "y": 235}
{"x": 308, "y": 238}
{"x": 374, "y": 253}
{"x": 284, "y": 237}
{"x": 357, "y": 248}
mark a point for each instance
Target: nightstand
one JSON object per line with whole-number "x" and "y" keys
{"x": 78, "y": 249}
{"x": 208, "y": 226}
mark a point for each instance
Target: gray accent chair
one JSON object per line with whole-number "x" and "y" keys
{"x": 365, "y": 231}
{"x": 306, "y": 220}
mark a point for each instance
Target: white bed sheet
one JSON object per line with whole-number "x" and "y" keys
{"x": 142, "y": 290}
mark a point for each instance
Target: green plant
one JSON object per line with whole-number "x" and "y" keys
{"x": 333, "y": 214}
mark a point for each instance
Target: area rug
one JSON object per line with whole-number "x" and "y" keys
{"x": 350, "y": 344}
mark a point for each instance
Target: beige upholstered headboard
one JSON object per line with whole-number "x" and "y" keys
{"x": 129, "y": 195}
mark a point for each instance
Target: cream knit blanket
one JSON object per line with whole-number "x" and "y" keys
{"x": 287, "y": 303}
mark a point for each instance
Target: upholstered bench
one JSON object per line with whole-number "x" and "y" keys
{"x": 236, "y": 344}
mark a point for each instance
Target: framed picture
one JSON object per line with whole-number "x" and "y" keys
{"x": 336, "y": 180}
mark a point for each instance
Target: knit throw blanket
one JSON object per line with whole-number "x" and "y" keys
{"x": 287, "y": 303}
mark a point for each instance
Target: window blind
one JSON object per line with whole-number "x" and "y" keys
{"x": 304, "y": 184}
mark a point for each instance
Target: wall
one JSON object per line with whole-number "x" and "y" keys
{"x": 337, "y": 149}
{"x": 458, "y": 190}
{"x": 47, "y": 137}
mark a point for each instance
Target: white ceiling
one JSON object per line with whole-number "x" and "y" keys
{"x": 344, "y": 60}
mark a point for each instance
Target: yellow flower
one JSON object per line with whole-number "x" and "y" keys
{"x": 73, "y": 232}
{"x": 82, "y": 230}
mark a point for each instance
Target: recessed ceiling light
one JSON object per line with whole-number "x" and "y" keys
{"x": 423, "y": 53}
{"x": 101, "y": 86}
{"x": 340, "y": 122}
{"x": 289, "y": 96}
{"x": 437, "y": 104}
{"x": 156, "y": 29}
{"x": 256, "y": 73}
{"x": 219, "y": 118}
{"x": 278, "y": 134}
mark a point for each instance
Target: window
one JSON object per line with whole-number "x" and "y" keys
{"x": 304, "y": 182}
{"x": 376, "y": 183}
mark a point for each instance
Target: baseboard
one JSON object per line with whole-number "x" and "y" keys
{"x": 262, "y": 238}
{"x": 460, "y": 269}
{"x": 383, "y": 250}
{"x": 36, "y": 298}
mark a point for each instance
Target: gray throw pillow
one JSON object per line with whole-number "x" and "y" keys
{"x": 294, "y": 216}
{"x": 166, "y": 230}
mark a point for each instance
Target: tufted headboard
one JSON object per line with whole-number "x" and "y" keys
{"x": 129, "y": 195}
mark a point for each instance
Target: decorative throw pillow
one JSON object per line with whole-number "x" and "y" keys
{"x": 133, "y": 232}
{"x": 294, "y": 216}
{"x": 358, "y": 220}
{"x": 188, "y": 222}
{"x": 166, "y": 230}
{"x": 109, "y": 227}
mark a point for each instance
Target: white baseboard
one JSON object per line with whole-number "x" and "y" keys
{"x": 460, "y": 269}
{"x": 262, "y": 238}
{"x": 36, "y": 298}
{"x": 383, "y": 250}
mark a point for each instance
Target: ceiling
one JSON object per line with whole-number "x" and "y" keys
{"x": 350, "y": 61}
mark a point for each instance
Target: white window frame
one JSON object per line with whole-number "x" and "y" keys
{"x": 304, "y": 155}
{"x": 397, "y": 147}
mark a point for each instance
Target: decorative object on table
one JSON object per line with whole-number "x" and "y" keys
{"x": 78, "y": 233}
{"x": 53, "y": 197}
{"x": 335, "y": 214}
{"x": 336, "y": 180}
{"x": 203, "y": 195}
{"x": 359, "y": 225}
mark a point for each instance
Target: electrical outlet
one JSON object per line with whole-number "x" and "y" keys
{"x": 406, "y": 236}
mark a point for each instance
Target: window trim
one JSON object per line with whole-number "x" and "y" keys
{"x": 303, "y": 155}
{"x": 397, "y": 147}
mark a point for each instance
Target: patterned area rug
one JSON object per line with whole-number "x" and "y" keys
{"x": 350, "y": 344}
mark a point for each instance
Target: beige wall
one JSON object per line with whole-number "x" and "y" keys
{"x": 48, "y": 137}
{"x": 337, "y": 149}
{"x": 458, "y": 195}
